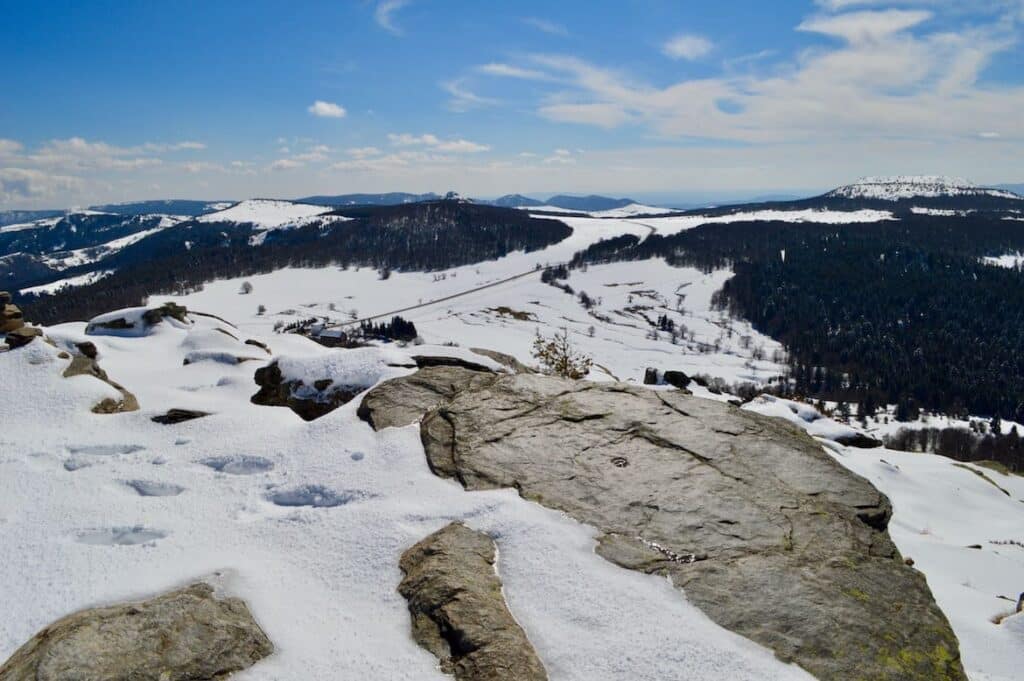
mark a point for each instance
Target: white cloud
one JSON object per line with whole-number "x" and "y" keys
{"x": 866, "y": 26}
{"x": 285, "y": 164}
{"x": 24, "y": 184}
{"x": 406, "y": 139}
{"x": 884, "y": 78}
{"x": 8, "y": 147}
{"x": 989, "y": 135}
{"x": 546, "y": 26}
{"x": 687, "y": 46}
{"x": 326, "y": 109}
{"x": 362, "y": 152}
{"x": 461, "y": 146}
{"x": 384, "y": 15}
{"x": 455, "y": 146}
{"x": 602, "y": 115}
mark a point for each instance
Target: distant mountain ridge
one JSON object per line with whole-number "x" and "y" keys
{"x": 187, "y": 207}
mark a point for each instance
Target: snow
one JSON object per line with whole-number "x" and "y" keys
{"x": 265, "y": 213}
{"x": 803, "y": 415}
{"x": 676, "y": 224}
{"x": 623, "y": 212}
{"x": 900, "y": 187}
{"x": 70, "y": 282}
{"x": 1010, "y": 260}
{"x": 83, "y": 256}
{"x": 36, "y": 224}
{"x": 133, "y": 322}
{"x": 305, "y": 521}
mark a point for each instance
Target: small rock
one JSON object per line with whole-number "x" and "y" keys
{"x": 650, "y": 376}
{"x": 88, "y": 348}
{"x": 22, "y": 336}
{"x": 188, "y": 634}
{"x": 677, "y": 379}
{"x": 178, "y": 416}
{"x": 908, "y": 561}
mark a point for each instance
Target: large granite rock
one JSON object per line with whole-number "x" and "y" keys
{"x": 762, "y": 529}
{"x": 458, "y": 610}
{"x": 405, "y": 401}
{"x": 184, "y": 635}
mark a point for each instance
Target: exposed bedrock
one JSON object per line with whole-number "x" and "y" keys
{"x": 184, "y": 635}
{"x": 763, "y": 530}
{"x": 458, "y": 610}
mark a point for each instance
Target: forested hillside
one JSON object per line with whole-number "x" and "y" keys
{"x": 889, "y": 312}
{"x": 425, "y": 236}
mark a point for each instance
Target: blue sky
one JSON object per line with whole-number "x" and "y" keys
{"x": 110, "y": 101}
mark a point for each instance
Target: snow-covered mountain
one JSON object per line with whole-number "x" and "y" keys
{"x": 901, "y": 187}
{"x": 265, "y": 213}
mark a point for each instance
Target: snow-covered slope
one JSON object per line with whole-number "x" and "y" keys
{"x": 265, "y": 213}
{"x": 898, "y": 187}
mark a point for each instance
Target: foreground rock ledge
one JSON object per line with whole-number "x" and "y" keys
{"x": 184, "y": 635}
{"x": 763, "y": 530}
{"x": 458, "y": 611}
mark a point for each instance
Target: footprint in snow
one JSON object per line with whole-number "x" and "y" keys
{"x": 316, "y": 496}
{"x": 239, "y": 465}
{"x": 149, "y": 488}
{"x": 104, "y": 450}
{"x": 120, "y": 536}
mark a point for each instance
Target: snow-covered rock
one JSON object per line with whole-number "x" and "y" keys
{"x": 811, "y": 420}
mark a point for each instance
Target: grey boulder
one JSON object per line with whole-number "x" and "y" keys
{"x": 183, "y": 635}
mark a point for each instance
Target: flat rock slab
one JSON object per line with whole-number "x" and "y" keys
{"x": 183, "y": 635}
{"x": 458, "y": 610}
{"x": 762, "y": 529}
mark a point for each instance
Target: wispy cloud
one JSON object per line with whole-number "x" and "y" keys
{"x": 687, "y": 46}
{"x": 385, "y": 12}
{"x": 463, "y": 99}
{"x": 324, "y": 109}
{"x": 546, "y": 26}
{"x": 510, "y": 71}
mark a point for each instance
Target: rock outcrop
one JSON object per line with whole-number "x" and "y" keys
{"x": 764, "y": 531}
{"x": 308, "y": 401}
{"x": 458, "y": 611}
{"x": 184, "y": 635}
{"x": 84, "y": 365}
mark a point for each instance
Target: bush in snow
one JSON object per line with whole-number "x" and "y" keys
{"x": 558, "y": 357}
